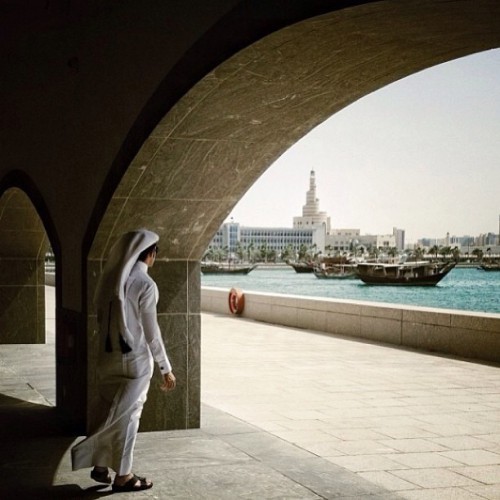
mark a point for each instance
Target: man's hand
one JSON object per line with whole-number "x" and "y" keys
{"x": 168, "y": 382}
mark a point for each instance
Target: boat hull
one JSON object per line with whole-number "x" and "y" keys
{"x": 490, "y": 267}
{"x": 303, "y": 268}
{"x": 342, "y": 272}
{"x": 222, "y": 270}
{"x": 346, "y": 276}
{"x": 373, "y": 275}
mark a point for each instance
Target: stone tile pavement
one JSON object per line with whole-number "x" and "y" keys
{"x": 418, "y": 425}
{"x": 286, "y": 414}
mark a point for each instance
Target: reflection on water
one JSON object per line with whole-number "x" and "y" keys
{"x": 462, "y": 289}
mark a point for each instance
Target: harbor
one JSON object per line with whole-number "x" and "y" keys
{"x": 463, "y": 289}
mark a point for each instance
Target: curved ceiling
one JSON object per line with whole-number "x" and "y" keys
{"x": 234, "y": 123}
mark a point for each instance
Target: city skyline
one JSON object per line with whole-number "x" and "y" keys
{"x": 421, "y": 154}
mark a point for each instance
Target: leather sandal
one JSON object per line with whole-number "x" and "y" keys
{"x": 132, "y": 485}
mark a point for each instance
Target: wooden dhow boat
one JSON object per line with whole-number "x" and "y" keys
{"x": 337, "y": 272}
{"x": 219, "y": 268}
{"x": 421, "y": 273}
{"x": 302, "y": 267}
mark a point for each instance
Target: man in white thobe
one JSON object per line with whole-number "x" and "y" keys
{"x": 130, "y": 341}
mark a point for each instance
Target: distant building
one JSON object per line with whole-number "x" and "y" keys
{"x": 384, "y": 241}
{"x": 277, "y": 238}
{"x": 341, "y": 240}
{"x": 232, "y": 237}
{"x": 312, "y": 229}
{"x": 311, "y": 217}
{"x": 399, "y": 235}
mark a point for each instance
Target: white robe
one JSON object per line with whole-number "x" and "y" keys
{"x": 123, "y": 378}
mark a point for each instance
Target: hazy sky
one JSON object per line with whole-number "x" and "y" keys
{"x": 422, "y": 154}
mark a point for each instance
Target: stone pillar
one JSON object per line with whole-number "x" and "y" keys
{"x": 180, "y": 323}
{"x": 22, "y": 300}
{"x": 71, "y": 367}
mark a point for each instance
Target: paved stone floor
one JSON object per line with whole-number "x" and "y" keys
{"x": 286, "y": 414}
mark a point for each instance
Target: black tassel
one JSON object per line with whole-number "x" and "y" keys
{"x": 124, "y": 346}
{"x": 109, "y": 347}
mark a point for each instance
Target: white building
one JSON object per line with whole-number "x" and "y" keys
{"x": 311, "y": 229}
{"x": 341, "y": 240}
{"x": 384, "y": 241}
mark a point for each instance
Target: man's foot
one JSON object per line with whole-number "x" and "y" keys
{"x": 131, "y": 482}
{"x": 101, "y": 475}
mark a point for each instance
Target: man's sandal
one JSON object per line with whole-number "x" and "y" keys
{"x": 100, "y": 476}
{"x": 135, "y": 483}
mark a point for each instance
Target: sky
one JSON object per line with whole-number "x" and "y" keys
{"x": 421, "y": 154}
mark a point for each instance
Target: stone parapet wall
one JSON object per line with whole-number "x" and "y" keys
{"x": 461, "y": 333}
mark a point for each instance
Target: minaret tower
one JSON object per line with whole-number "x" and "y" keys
{"x": 312, "y": 203}
{"x": 312, "y": 218}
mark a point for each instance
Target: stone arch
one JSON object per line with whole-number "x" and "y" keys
{"x": 24, "y": 243}
{"x": 231, "y": 125}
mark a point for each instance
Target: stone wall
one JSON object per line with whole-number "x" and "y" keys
{"x": 466, "y": 334}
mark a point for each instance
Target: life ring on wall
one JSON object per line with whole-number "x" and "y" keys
{"x": 236, "y": 301}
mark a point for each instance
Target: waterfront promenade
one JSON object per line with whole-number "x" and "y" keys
{"x": 338, "y": 418}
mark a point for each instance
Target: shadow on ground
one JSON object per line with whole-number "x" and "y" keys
{"x": 34, "y": 439}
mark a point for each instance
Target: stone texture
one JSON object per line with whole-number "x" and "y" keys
{"x": 22, "y": 315}
{"x": 179, "y": 320}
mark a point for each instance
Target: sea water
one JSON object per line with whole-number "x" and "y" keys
{"x": 465, "y": 289}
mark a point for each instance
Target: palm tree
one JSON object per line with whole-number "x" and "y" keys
{"x": 240, "y": 251}
{"x": 374, "y": 251}
{"x": 263, "y": 252}
{"x": 302, "y": 252}
{"x": 250, "y": 252}
{"x": 434, "y": 250}
{"x": 444, "y": 251}
{"x": 393, "y": 252}
{"x": 209, "y": 254}
{"x": 456, "y": 254}
{"x": 478, "y": 253}
{"x": 418, "y": 253}
{"x": 287, "y": 253}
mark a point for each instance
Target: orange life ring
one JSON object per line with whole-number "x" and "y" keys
{"x": 236, "y": 301}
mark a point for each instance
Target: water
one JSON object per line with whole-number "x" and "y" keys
{"x": 466, "y": 289}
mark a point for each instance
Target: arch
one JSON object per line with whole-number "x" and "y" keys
{"x": 230, "y": 125}
{"x": 23, "y": 246}
{"x": 21, "y": 180}
{"x": 236, "y": 121}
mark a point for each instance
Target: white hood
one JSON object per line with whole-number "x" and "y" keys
{"x": 111, "y": 285}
